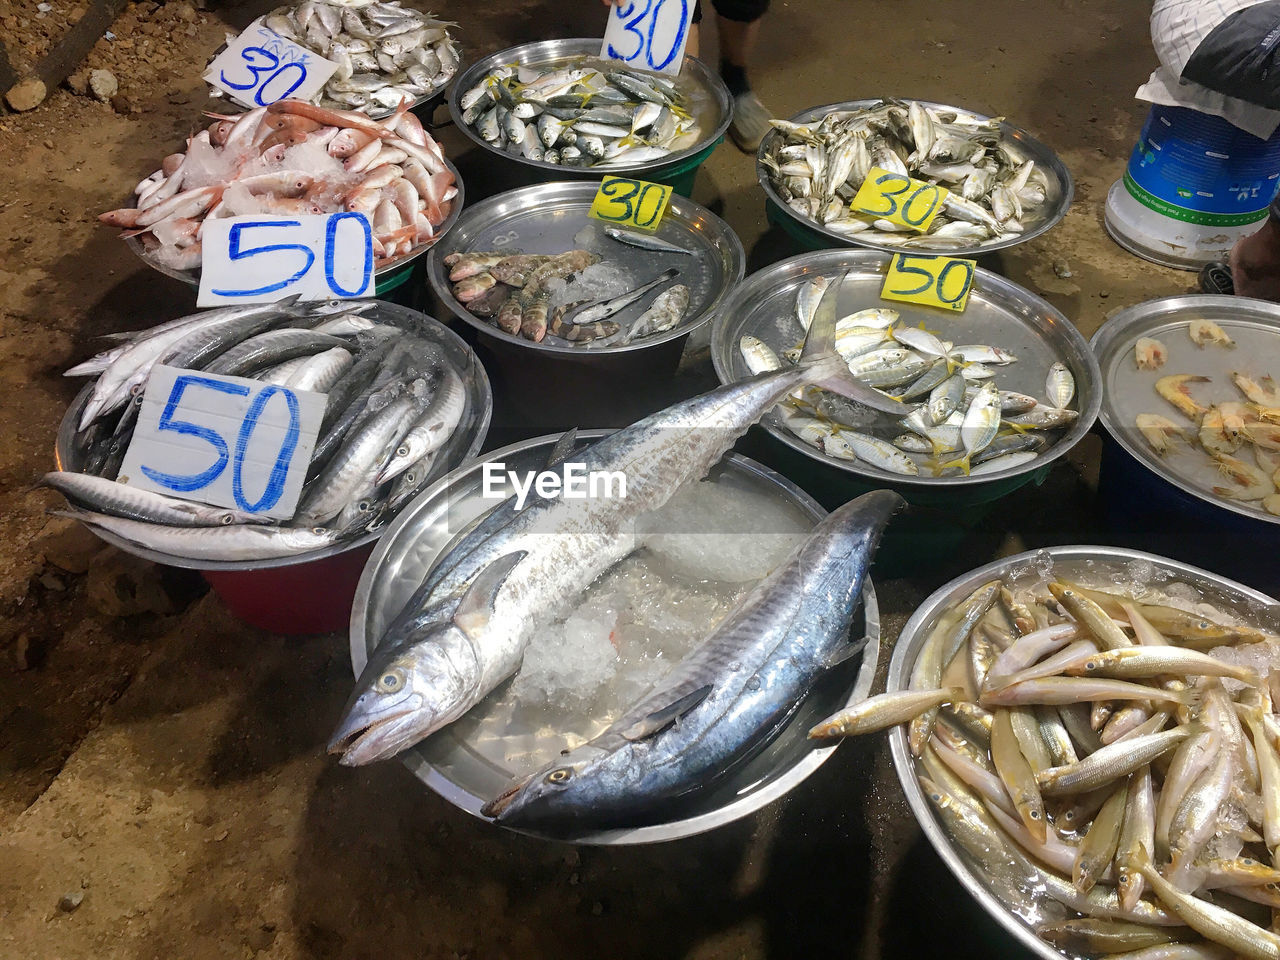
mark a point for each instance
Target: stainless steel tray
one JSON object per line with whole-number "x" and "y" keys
{"x": 1059, "y": 194}
{"x": 471, "y": 761}
{"x": 1101, "y": 567}
{"x": 712, "y": 105}
{"x": 1128, "y": 391}
{"x": 998, "y": 313}
{"x": 466, "y": 441}
{"x": 552, "y": 218}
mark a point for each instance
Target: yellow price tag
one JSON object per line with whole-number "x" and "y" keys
{"x": 899, "y": 199}
{"x": 630, "y": 203}
{"x": 932, "y": 281}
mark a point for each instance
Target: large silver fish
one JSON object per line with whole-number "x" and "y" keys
{"x": 726, "y": 697}
{"x": 465, "y": 629}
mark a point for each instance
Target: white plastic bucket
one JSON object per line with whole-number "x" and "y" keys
{"x": 1194, "y": 185}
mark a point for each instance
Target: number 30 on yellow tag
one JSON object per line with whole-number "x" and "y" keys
{"x": 630, "y": 203}
{"x": 899, "y": 199}
{"x": 932, "y": 281}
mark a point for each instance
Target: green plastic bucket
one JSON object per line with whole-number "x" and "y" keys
{"x": 681, "y": 176}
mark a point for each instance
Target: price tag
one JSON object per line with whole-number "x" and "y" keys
{"x": 261, "y": 259}
{"x": 898, "y": 199}
{"x": 933, "y": 281}
{"x": 260, "y": 67}
{"x": 630, "y": 203}
{"x": 648, "y": 34}
{"x": 228, "y": 441}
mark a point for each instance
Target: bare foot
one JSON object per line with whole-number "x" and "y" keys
{"x": 1255, "y": 263}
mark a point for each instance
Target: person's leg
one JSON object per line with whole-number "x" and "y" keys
{"x": 691, "y": 44}
{"x": 738, "y": 22}
{"x": 1255, "y": 260}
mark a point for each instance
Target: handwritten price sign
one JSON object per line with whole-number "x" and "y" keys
{"x": 648, "y": 34}
{"x": 898, "y": 199}
{"x": 260, "y": 67}
{"x": 227, "y": 441}
{"x": 932, "y": 281}
{"x": 262, "y": 259}
{"x": 630, "y": 203}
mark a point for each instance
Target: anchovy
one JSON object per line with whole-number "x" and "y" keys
{"x": 645, "y": 241}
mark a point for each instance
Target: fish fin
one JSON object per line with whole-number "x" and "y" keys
{"x": 962, "y": 463}
{"x": 847, "y": 652}
{"x": 659, "y": 720}
{"x": 830, "y": 370}
{"x": 476, "y": 604}
{"x": 563, "y": 448}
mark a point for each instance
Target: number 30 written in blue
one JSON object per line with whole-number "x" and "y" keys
{"x": 644, "y": 42}
{"x": 198, "y": 481}
{"x": 258, "y": 60}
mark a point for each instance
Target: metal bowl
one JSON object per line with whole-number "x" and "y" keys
{"x": 1059, "y": 193}
{"x": 715, "y": 114}
{"x": 552, "y": 218}
{"x": 1104, "y": 567}
{"x": 192, "y": 277}
{"x": 1127, "y": 391}
{"x": 467, "y": 763}
{"x": 466, "y": 441}
{"x": 998, "y": 312}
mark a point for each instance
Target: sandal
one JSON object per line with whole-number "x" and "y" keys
{"x": 1215, "y": 277}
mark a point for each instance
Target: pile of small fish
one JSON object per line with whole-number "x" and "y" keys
{"x": 467, "y": 625}
{"x": 510, "y": 289}
{"x": 993, "y": 190}
{"x": 580, "y": 115}
{"x": 1084, "y": 748}
{"x": 1223, "y": 429}
{"x": 394, "y": 402}
{"x": 294, "y": 158}
{"x": 961, "y": 421}
{"x": 385, "y": 53}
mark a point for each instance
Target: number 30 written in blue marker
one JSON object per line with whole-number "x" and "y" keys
{"x": 259, "y": 61}
{"x": 633, "y": 22}
{"x": 188, "y": 483}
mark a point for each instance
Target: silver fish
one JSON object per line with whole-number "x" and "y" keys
{"x": 645, "y": 241}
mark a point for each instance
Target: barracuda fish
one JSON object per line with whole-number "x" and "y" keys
{"x": 211, "y": 543}
{"x": 369, "y": 370}
{"x": 465, "y": 628}
{"x": 994, "y": 191}
{"x": 726, "y": 698}
{"x": 385, "y": 52}
{"x": 587, "y": 114}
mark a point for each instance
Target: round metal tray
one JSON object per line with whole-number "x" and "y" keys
{"x": 1101, "y": 567}
{"x": 1059, "y": 193}
{"x": 192, "y": 277}
{"x": 1128, "y": 391}
{"x": 998, "y": 313}
{"x": 468, "y": 762}
{"x": 552, "y": 218}
{"x": 714, "y": 116}
{"x": 466, "y": 441}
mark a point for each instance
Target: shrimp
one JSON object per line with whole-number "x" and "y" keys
{"x": 1248, "y": 482}
{"x": 1174, "y": 389}
{"x": 1159, "y": 431}
{"x": 1235, "y": 416}
{"x": 1264, "y": 392}
{"x": 1206, "y": 331}
{"x": 1213, "y": 435}
{"x": 1150, "y": 354}
{"x": 1263, "y": 434}
{"x": 1271, "y": 504}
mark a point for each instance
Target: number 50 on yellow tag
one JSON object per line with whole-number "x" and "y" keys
{"x": 932, "y": 281}
{"x": 630, "y": 203}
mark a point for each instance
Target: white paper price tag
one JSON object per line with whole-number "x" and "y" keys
{"x": 261, "y": 259}
{"x": 648, "y": 34}
{"x": 228, "y": 441}
{"x": 260, "y": 67}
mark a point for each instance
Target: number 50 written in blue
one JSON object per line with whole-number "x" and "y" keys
{"x": 261, "y": 258}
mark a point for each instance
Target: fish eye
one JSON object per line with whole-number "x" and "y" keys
{"x": 319, "y": 531}
{"x": 1090, "y": 665}
{"x": 560, "y": 775}
{"x": 402, "y": 450}
{"x": 390, "y": 682}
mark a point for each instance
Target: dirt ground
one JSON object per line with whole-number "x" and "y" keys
{"x": 163, "y": 787}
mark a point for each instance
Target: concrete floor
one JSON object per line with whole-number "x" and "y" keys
{"x": 166, "y": 762}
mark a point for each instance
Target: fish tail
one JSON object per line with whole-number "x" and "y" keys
{"x": 827, "y": 369}
{"x": 963, "y": 463}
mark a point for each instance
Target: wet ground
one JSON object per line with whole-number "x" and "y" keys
{"x": 163, "y": 789}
